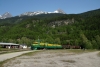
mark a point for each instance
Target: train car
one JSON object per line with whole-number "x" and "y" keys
{"x": 53, "y": 46}
{"x": 70, "y": 47}
{"x": 39, "y": 45}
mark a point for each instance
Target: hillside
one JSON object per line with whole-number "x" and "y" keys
{"x": 73, "y": 29}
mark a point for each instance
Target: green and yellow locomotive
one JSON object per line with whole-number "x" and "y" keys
{"x": 41, "y": 45}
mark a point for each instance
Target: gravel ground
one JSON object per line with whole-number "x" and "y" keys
{"x": 50, "y": 58}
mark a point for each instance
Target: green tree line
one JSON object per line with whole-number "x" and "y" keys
{"x": 85, "y": 31}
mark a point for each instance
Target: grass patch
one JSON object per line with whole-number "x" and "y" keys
{"x": 1, "y": 63}
{"x": 31, "y": 53}
{"x": 52, "y": 62}
{"x": 5, "y": 61}
{"x": 75, "y": 51}
{"x": 6, "y": 50}
{"x": 69, "y": 61}
{"x": 78, "y": 51}
{"x": 99, "y": 54}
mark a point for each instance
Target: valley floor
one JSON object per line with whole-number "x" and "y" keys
{"x": 56, "y": 58}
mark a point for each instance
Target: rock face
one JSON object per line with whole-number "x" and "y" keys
{"x": 62, "y": 22}
{"x": 5, "y": 15}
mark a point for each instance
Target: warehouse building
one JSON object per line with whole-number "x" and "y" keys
{"x": 9, "y": 45}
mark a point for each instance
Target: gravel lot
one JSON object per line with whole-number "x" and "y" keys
{"x": 49, "y": 58}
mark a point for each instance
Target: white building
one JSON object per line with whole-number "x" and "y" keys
{"x": 23, "y": 46}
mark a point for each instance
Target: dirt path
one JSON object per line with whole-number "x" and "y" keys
{"x": 57, "y": 59}
{"x": 11, "y": 55}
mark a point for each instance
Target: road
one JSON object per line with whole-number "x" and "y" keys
{"x": 11, "y": 55}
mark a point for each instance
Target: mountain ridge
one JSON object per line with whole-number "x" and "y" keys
{"x": 5, "y": 15}
{"x": 8, "y": 15}
{"x": 69, "y": 29}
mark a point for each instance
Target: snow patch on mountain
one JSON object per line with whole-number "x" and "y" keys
{"x": 8, "y": 15}
{"x": 41, "y": 12}
{"x": 5, "y": 15}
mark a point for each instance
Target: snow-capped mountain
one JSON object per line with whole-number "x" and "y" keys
{"x": 5, "y": 15}
{"x": 59, "y": 11}
{"x": 8, "y": 15}
{"x": 41, "y": 12}
{"x": 0, "y": 16}
{"x": 32, "y": 13}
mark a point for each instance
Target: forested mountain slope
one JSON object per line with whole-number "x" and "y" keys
{"x": 73, "y": 29}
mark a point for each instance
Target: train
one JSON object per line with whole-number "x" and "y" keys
{"x": 41, "y": 45}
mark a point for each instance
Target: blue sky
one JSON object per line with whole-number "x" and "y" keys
{"x": 16, "y": 7}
